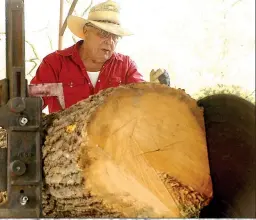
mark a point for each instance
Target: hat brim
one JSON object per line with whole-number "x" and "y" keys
{"x": 76, "y": 24}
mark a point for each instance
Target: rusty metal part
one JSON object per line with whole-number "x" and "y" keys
{"x": 24, "y": 167}
{"x": 3, "y": 91}
{"x": 21, "y": 117}
{"x": 15, "y": 48}
{"x": 230, "y": 132}
{"x": 17, "y": 167}
{"x": 48, "y": 89}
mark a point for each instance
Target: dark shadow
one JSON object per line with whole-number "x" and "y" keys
{"x": 230, "y": 132}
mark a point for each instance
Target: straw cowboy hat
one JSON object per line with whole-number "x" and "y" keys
{"x": 105, "y": 16}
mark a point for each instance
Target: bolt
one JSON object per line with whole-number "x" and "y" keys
{"x": 18, "y": 167}
{"x": 23, "y": 121}
{"x": 23, "y": 200}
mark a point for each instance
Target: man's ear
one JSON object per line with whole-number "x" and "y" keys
{"x": 85, "y": 30}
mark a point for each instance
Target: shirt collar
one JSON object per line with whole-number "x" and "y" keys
{"x": 118, "y": 56}
{"x": 71, "y": 51}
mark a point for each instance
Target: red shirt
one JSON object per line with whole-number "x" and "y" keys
{"x": 66, "y": 67}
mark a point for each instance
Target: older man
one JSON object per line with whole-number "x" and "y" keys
{"x": 91, "y": 64}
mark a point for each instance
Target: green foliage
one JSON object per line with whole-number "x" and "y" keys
{"x": 226, "y": 89}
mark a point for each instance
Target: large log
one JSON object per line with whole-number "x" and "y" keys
{"x": 134, "y": 151}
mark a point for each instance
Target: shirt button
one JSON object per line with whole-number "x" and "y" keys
{"x": 99, "y": 80}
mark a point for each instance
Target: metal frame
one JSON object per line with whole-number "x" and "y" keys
{"x": 21, "y": 161}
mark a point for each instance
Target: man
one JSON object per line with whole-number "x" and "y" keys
{"x": 91, "y": 64}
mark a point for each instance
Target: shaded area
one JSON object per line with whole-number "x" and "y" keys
{"x": 230, "y": 128}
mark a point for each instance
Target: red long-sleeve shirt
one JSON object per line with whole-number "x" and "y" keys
{"x": 66, "y": 67}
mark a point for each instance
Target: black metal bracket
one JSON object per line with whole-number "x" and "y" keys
{"x": 21, "y": 117}
{"x": 21, "y": 161}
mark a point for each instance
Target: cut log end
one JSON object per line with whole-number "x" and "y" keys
{"x": 133, "y": 151}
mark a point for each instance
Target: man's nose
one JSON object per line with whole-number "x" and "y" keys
{"x": 110, "y": 40}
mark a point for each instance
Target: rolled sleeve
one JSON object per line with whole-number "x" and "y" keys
{"x": 133, "y": 75}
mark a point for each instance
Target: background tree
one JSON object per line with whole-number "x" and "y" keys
{"x": 226, "y": 89}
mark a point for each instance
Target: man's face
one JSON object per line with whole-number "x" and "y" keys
{"x": 101, "y": 44}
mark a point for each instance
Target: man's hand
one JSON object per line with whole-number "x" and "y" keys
{"x": 160, "y": 76}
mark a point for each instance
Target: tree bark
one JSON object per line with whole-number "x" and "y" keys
{"x": 134, "y": 151}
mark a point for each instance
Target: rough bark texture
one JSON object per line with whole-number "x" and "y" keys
{"x": 133, "y": 151}
{"x": 3, "y": 139}
{"x": 3, "y": 144}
